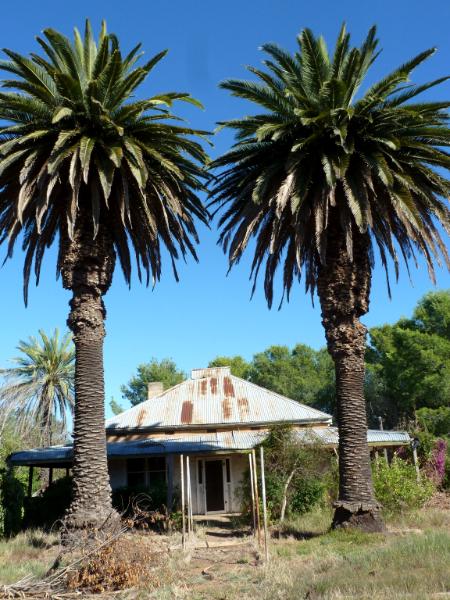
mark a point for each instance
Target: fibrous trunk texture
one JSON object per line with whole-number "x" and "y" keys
{"x": 87, "y": 266}
{"x": 343, "y": 288}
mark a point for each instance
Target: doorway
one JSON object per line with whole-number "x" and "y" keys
{"x": 214, "y": 486}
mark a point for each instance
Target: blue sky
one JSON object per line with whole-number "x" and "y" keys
{"x": 207, "y": 313}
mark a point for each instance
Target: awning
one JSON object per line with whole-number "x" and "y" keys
{"x": 197, "y": 443}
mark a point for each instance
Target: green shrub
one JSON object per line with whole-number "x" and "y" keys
{"x": 47, "y": 508}
{"x": 12, "y": 494}
{"x": 307, "y": 494}
{"x": 435, "y": 420}
{"x": 396, "y": 486}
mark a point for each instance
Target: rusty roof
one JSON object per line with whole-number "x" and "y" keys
{"x": 211, "y": 398}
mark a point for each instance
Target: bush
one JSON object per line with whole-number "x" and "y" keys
{"x": 435, "y": 420}
{"x": 44, "y": 510}
{"x": 307, "y": 494}
{"x": 155, "y": 497}
{"x": 12, "y": 494}
{"x": 396, "y": 486}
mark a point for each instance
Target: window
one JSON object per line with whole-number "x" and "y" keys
{"x": 200, "y": 472}
{"x": 146, "y": 472}
{"x": 156, "y": 470}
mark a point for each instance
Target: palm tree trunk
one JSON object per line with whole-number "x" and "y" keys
{"x": 87, "y": 266}
{"x": 344, "y": 288}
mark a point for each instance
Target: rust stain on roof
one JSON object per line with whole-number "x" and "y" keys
{"x": 186, "y": 411}
{"x": 228, "y": 388}
{"x": 213, "y": 385}
{"x": 226, "y": 408}
{"x": 243, "y": 407}
{"x": 203, "y": 387}
{"x": 141, "y": 417}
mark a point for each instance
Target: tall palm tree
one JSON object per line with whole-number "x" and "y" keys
{"x": 84, "y": 162}
{"x": 321, "y": 179}
{"x": 39, "y": 389}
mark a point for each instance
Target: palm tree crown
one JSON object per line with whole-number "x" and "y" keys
{"x": 40, "y": 387}
{"x": 318, "y": 154}
{"x": 75, "y": 140}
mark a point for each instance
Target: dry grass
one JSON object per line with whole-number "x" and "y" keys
{"x": 410, "y": 562}
{"x": 307, "y": 562}
{"x": 28, "y": 553}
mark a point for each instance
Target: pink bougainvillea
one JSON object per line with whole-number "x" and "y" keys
{"x": 435, "y": 467}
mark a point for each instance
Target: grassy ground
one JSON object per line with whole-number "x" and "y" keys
{"x": 28, "y": 553}
{"x": 411, "y": 561}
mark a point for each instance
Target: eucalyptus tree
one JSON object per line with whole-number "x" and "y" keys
{"x": 88, "y": 166}
{"x": 39, "y": 387}
{"x": 322, "y": 178}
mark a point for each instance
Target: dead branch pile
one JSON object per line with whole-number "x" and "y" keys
{"x": 105, "y": 563}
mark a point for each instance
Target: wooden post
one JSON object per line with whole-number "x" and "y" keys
{"x": 263, "y": 486}
{"x": 30, "y": 481}
{"x": 252, "y": 490}
{"x": 50, "y": 476}
{"x": 255, "y": 479}
{"x": 380, "y": 420}
{"x": 67, "y": 471}
{"x": 183, "y": 531}
{"x": 416, "y": 464}
{"x": 189, "y": 496}
{"x": 169, "y": 498}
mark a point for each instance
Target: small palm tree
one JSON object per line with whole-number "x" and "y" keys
{"x": 40, "y": 387}
{"x": 84, "y": 162}
{"x": 321, "y": 178}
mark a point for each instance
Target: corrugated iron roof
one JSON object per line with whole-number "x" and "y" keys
{"x": 330, "y": 436}
{"x": 215, "y": 397}
{"x": 196, "y": 443}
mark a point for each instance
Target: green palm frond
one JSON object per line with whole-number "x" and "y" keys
{"x": 73, "y": 134}
{"x": 315, "y": 155}
{"x": 39, "y": 388}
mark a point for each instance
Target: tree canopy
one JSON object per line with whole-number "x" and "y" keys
{"x": 75, "y": 139}
{"x": 411, "y": 359}
{"x": 165, "y": 371}
{"x": 39, "y": 389}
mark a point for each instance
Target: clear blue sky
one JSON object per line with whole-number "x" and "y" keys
{"x": 207, "y": 314}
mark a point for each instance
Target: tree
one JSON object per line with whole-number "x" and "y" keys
{"x": 239, "y": 366}
{"x": 40, "y": 388}
{"x": 432, "y": 314}
{"x": 412, "y": 359}
{"x": 321, "y": 178}
{"x": 294, "y": 471}
{"x": 165, "y": 371}
{"x": 115, "y": 406}
{"x": 84, "y": 162}
{"x": 302, "y": 374}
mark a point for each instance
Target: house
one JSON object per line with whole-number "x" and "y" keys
{"x": 214, "y": 420}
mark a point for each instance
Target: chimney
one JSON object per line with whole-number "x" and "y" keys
{"x": 154, "y": 388}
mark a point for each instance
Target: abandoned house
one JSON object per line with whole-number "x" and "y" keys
{"x": 214, "y": 420}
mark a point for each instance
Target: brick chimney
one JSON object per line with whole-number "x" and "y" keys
{"x": 154, "y": 388}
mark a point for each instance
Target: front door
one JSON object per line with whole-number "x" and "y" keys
{"x": 214, "y": 485}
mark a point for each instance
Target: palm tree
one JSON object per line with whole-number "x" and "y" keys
{"x": 321, "y": 179}
{"x": 40, "y": 387}
{"x": 106, "y": 174}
